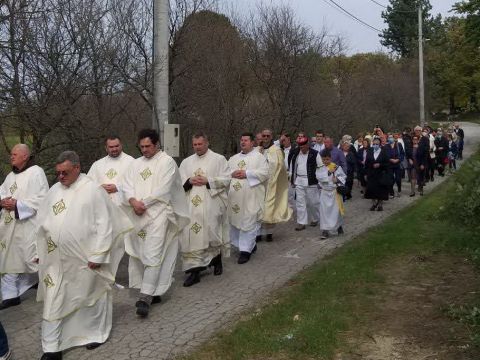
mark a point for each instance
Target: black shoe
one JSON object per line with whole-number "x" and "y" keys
{"x": 269, "y": 238}
{"x": 192, "y": 279}
{"x": 259, "y": 238}
{"x": 314, "y": 223}
{"x": 244, "y": 257}
{"x": 52, "y": 356}
{"x": 156, "y": 299}
{"x": 218, "y": 266}
{"x": 373, "y": 207}
{"x": 340, "y": 230}
{"x": 412, "y": 194}
{"x": 142, "y": 308}
{"x": 324, "y": 235}
{"x": 10, "y": 302}
{"x": 93, "y": 345}
{"x": 300, "y": 227}
{"x": 380, "y": 208}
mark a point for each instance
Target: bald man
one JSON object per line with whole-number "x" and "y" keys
{"x": 21, "y": 194}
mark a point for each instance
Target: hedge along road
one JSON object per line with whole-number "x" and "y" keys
{"x": 189, "y": 316}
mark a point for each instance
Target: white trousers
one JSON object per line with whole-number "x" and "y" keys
{"x": 154, "y": 280}
{"x": 307, "y": 204}
{"x": 84, "y": 326}
{"x": 244, "y": 240}
{"x": 14, "y": 285}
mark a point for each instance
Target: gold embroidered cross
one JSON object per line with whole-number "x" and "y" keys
{"x": 196, "y": 228}
{"x": 111, "y": 173}
{"x": 145, "y": 174}
{"x": 236, "y": 209}
{"x": 8, "y": 218}
{"x": 13, "y": 187}
{"x": 242, "y": 164}
{"x": 51, "y": 246}
{"x": 59, "y": 207}
{"x": 197, "y": 200}
{"x": 142, "y": 234}
{"x": 199, "y": 172}
{"x": 237, "y": 186}
{"x": 48, "y": 281}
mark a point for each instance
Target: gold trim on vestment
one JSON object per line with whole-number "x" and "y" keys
{"x": 58, "y": 207}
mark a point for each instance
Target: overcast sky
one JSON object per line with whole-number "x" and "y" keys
{"x": 317, "y": 13}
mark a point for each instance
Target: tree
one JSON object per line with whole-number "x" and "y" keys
{"x": 471, "y": 8}
{"x": 401, "y": 34}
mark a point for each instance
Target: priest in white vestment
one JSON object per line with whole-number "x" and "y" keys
{"x": 330, "y": 176}
{"x": 109, "y": 170}
{"x": 158, "y": 208}
{"x": 21, "y": 195}
{"x": 79, "y": 246}
{"x": 205, "y": 178}
{"x": 276, "y": 197}
{"x": 246, "y": 197}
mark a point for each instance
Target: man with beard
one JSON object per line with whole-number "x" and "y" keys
{"x": 109, "y": 171}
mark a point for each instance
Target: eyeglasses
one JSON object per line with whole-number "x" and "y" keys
{"x": 267, "y": 136}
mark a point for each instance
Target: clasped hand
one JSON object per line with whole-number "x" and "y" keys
{"x": 9, "y": 203}
{"x": 239, "y": 174}
{"x": 198, "y": 180}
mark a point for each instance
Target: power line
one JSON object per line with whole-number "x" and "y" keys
{"x": 386, "y": 7}
{"x": 376, "y": 2}
{"x": 349, "y": 14}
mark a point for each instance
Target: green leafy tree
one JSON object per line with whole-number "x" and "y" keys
{"x": 401, "y": 17}
{"x": 470, "y": 8}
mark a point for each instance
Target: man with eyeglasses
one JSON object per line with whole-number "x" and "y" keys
{"x": 21, "y": 194}
{"x": 79, "y": 246}
{"x": 276, "y": 197}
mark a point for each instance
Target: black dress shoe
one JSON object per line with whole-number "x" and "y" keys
{"x": 192, "y": 279}
{"x": 10, "y": 302}
{"x": 244, "y": 257}
{"x": 340, "y": 230}
{"x": 269, "y": 238}
{"x": 52, "y": 356}
{"x": 93, "y": 345}
{"x": 156, "y": 299}
{"x": 142, "y": 308}
{"x": 258, "y": 238}
{"x": 218, "y": 266}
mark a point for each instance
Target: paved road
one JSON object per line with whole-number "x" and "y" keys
{"x": 189, "y": 316}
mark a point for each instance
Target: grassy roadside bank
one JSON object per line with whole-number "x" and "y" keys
{"x": 307, "y": 318}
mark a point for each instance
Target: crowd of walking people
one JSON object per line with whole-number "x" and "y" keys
{"x": 69, "y": 239}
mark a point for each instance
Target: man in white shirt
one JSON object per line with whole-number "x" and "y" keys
{"x": 246, "y": 197}
{"x": 21, "y": 195}
{"x": 320, "y": 138}
{"x": 304, "y": 161}
{"x": 109, "y": 171}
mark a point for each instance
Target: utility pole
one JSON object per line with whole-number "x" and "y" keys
{"x": 421, "y": 84}
{"x": 160, "y": 66}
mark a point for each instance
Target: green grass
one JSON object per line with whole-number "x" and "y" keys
{"x": 328, "y": 295}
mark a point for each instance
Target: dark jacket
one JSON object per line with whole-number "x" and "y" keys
{"x": 396, "y": 152}
{"x": 311, "y": 165}
{"x": 441, "y": 143}
{"x": 423, "y": 151}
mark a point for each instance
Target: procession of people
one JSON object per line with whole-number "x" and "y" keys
{"x": 68, "y": 240}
